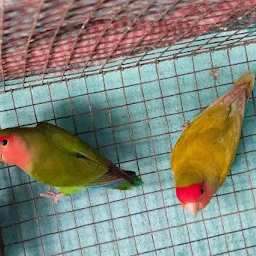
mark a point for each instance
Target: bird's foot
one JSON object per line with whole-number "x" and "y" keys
{"x": 52, "y": 195}
{"x": 185, "y": 125}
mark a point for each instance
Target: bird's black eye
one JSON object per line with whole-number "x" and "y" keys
{"x": 4, "y": 142}
{"x": 202, "y": 191}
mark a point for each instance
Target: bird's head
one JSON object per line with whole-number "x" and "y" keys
{"x": 194, "y": 189}
{"x": 195, "y": 197}
{"x": 13, "y": 150}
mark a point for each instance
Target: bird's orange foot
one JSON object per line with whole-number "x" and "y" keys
{"x": 52, "y": 195}
{"x": 185, "y": 125}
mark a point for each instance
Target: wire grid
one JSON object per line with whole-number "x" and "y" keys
{"x": 133, "y": 117}
{"x": 57, "y": 37}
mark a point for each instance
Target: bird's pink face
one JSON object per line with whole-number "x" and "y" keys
{"x": 14, "y": 151}
{"x": 6, "y": 145}
{"x": 195, "y": 197}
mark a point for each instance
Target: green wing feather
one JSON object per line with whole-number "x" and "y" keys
{"x": 61, "y": 159}
{"x": 71, "y": 143}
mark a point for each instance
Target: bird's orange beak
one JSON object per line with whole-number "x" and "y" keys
{"x": 193, "y": 208}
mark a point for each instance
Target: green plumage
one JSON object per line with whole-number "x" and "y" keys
{"x": 64, "y": 161}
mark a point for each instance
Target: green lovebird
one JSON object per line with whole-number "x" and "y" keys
{"x": 58, "y": 158}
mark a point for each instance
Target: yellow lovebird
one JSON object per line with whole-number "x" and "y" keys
{"x": 203, "y": 155}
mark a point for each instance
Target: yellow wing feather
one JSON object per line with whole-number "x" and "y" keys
{"x": 208, "y": 146}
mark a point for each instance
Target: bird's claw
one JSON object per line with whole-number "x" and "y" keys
{"x": 52, "y": 195}
{"x": 185, "y": 125}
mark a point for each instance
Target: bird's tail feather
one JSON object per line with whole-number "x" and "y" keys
{"x": 111, "y": 180}
{"x": 246, "y": 78}
{"x": 125, "y": 185}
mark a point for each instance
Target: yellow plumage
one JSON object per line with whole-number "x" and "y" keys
{"x": 206, "y": 149}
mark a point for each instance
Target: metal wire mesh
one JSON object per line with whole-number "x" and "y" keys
{"x": 56, "y": 37}
{"x": 171, "y": 59}
{"x": 133, "y": 117}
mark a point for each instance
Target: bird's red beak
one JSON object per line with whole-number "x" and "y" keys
{"x": 193, "y": 208}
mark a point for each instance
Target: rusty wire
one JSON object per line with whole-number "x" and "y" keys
{"x": 133, "y": 140}
{"x": 63, "y": 35}
{"x": 77, "y": 59}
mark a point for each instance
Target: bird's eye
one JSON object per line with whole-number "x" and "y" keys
{"x": 202, "y": 191}
{"x": 4, "y": 142}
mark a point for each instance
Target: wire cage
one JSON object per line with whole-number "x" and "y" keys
{"x": 124, "y": 76}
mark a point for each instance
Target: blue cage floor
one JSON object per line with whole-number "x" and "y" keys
{"x": 133, "y": 117}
